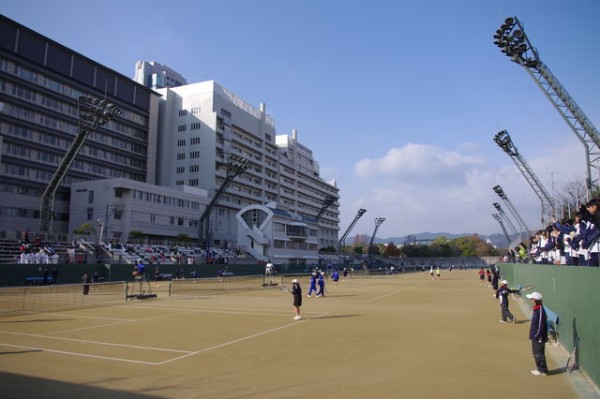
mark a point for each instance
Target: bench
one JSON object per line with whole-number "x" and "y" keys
{"x": 552, "y": 320}
{"x": 33, "y": 280}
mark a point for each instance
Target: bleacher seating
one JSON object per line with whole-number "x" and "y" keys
{"x": 10, "y": 252}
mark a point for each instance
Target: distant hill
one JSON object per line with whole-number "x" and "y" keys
{"x": 497, "y": 240}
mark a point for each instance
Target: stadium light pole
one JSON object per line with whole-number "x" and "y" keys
{"x": 378, "y": 222}
{"x": 342, "y": 242}
{"x": 514, "y": 43}
{"x": 93, "y": 114}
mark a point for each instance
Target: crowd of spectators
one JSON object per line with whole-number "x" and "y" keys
{"x": 572, "y": 242}
{"x": 35, "y": 251}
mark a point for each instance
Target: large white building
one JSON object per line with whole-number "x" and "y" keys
{"x": 157, "y": 76}
{"x": 116, "y": 207}
{"x": 202, "y": 125}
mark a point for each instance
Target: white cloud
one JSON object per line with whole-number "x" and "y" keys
{"x": 420, "y": 188}
{"x": 418, "y": 165}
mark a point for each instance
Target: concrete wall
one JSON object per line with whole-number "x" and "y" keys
{"x": 573, "y": 293}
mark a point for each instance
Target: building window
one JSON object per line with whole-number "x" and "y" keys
{"x": 195, "y": 126}
{"x": 90, "y": 213}
{"x": 195, "y": 110}
{"x": 181, "y": 128}
{"x": 182, "y": 112}
{"x": 180, "y": 170}
{"x": 181, "y": 156}
{"x": 181, "y": 143}
{"x": 90, "y": 197}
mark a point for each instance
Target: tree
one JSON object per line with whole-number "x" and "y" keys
{"x": 569, "y": 197}
{"x": 85, "y": 229}
{"x": 360, "y": 239}
{"x": 183, "y": 238}
{"x": 444, "y": 248}
{"x": 474, "y": 246}
{"x": 391, "y": 250}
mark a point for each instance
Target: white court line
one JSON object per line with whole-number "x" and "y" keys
{"x": 382, "y": 296}
{"x": 80, "y": 354}
{"x": 233, "y": 342}
{"x": 84, "y": 341}
{"x": 186, "y": 353}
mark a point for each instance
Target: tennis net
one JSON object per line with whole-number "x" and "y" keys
{"x": 215, "y": 286}
{"x": 54, "y": 297}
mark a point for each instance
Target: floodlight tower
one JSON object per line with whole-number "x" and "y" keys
{"x": 378, "y": 222}
{"x": 93, "y": 114}
{"x": 506, "y": 219}
{"x": 235, "y": 167}
{"x": 499, "y": 219}
{"x": 513, "y": 211}
{"x": 342, "y": 242}
{"x": 548, "y": 206}
{"x": 327, "y": 202}
{"x": 514, "y": 43}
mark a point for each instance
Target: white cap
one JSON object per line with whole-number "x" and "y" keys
{"x": 535, "y": 295}
{"x": 504, "y": 282}
{"x": 294, "y": 281}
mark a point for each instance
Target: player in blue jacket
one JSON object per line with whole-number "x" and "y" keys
{"x": 502, "y": 294}
{"x": 538, "y": 334}
{"x": 321, "y": 282}
{"x": 313, "y": 284}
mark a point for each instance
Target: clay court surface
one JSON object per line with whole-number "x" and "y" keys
{"x": 402, "y": 336}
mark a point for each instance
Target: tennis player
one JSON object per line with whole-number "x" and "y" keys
{"x": 502, "y": 296}
{"x": 313, "y": 284}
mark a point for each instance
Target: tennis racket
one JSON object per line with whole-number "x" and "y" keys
{"x": 524, "y": 289}
{"x": 572, "y": 360}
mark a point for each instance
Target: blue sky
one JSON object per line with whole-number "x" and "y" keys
{"x": 399, "y": 100}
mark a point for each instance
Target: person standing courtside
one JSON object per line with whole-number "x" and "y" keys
{"x": 297, "y": 294}
{"x": 85, "y": 280}
{"x": 538, "y": 334}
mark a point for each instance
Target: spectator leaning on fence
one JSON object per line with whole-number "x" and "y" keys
{"x": 538, "y": 334}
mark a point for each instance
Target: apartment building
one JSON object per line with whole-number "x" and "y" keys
{"x": 202, "y": 125}
{"x": 157, "y": 76}
{"x": 40, "y": 84}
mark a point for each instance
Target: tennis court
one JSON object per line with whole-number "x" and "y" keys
{"x": 402, "y": 336}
